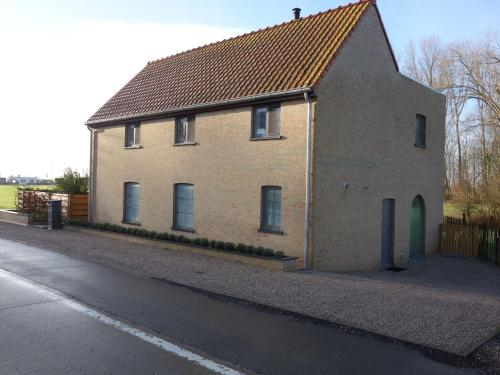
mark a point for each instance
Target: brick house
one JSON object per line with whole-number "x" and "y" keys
{"x": 302, "y": 137}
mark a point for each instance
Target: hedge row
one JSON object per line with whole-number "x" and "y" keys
{"x": 203, "y": 242}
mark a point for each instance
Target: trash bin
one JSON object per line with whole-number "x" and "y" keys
{"x": 54, "y": 214}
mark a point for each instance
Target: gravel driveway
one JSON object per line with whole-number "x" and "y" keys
{"x": 448, "y": 303}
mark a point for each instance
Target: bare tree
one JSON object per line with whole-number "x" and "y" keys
{"x": 468, "y": 73}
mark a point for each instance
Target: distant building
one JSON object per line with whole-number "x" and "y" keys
{"x": 27, "y": 180}
{"x": 3, "y": 180}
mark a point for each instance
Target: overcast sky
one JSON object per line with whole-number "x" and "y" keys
{"x": 61, "y": 60}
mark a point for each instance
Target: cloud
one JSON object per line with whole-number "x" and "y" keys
{"x": 53, "y": 80}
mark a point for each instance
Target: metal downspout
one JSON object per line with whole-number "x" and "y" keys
{"x": 91, "y": 176}
{"x": 308, "y": 180}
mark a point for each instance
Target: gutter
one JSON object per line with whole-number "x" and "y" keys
{"x": 91, "y": 175}
{"x": 179, "y": 110}
{"x": 307, "y": 97}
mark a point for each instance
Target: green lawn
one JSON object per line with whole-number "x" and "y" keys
{"x": 451, "y": 209}
{"x": 8, "y": 195}
{"x": 454, "y": 210}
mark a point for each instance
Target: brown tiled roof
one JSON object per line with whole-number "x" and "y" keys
{"x": 290, "y": 56}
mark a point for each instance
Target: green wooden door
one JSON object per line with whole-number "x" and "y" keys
{"x": 417, "y": 228}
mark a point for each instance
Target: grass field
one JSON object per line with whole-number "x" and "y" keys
{"x": 8, "y": 195}
{"x": 451, "y": 209}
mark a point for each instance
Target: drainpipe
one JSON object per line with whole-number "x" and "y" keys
{"x": 91, "y": 176}
{"x": 308, "y": 179}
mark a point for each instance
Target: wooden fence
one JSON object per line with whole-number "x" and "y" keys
{"x": 472, "y": 240}
{"x": 78, "y": 207}
{"x": 73, "y": 206}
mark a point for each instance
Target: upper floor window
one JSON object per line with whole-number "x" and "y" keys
{"x": 184, "y": 130}
{"x": 183, "y": 206}
{"x": 131, "y": 203}
{"x": 271, "y": 209}
{"x": 132, "y": 134}
{"x": 266, "y": 121}
{"x": 420, "y": 131}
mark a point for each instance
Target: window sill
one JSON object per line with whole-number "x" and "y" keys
{"x": 421, "y": 146}
{"x": 131, "y": 223}
{"x": 186, "y": 144}
{"x": 266, "y": 138}
{"x": 270, "y": 231}
{"x": 188, "y": 230}
{"x": 134, "y": 147}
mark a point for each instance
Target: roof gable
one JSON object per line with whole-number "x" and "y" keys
{"x": 290, "y": 56}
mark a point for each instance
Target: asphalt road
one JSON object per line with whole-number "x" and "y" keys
{"x": 96, "y": 320}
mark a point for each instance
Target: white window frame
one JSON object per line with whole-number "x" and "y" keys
{"x": 267, "y": 134}
{"x": 176, "y": 225}
{"x": 135, "y": 126}
{"x": 125, "y": 203}
{"x": 189, "y": 135}
{"x": 264, "y": 225}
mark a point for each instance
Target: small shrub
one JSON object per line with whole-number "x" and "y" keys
{"x": 229, "y": 246}
{"x": 174, "y": 237}
{"x": 204, "y": 242}
{"x": 181, "y": 238}
{"x": 268, "y": 252}
{"x": 187, "y": 240}
{"x": 250, "y": 249}
{"x": 152, "y": 234}
{"x": 220, "y": 245}
{"x": 279, "y": 254}
{"x": 213, "y": 244}
{"x": 240, "y": 248}
{"x": 259, "y": 250}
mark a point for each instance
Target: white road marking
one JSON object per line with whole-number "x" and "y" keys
{"x": 154, "y": 340}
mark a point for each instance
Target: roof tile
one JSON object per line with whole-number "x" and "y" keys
{"x": 288, "y": 56}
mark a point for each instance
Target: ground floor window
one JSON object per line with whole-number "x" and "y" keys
{"x": 271, "y": 209}
{"x": 131, "y": 203}
{"x": 183, "y": 206}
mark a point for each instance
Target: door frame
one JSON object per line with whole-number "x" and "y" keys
{"x": 423, "y": 220}
{"x": 387, "y": 233}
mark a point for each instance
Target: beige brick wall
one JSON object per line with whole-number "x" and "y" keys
{"x": 364, "y": 136}
{"x": 226, "y": 168}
